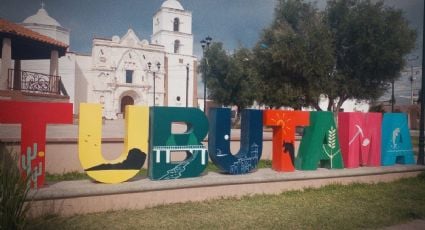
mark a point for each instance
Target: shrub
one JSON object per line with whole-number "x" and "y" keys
{"x": 13, "y": 191}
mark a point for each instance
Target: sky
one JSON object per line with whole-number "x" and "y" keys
{"x": 232, "y": 22}
{"x": 228, "y": 21}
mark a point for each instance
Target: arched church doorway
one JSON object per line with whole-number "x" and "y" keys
{"x": 126, "y": 100}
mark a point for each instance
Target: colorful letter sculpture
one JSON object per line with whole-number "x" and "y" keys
{"x": 284, "y": 124}
{"x": 33, "y": 117}
{"x": 360, "y": 138}
{"x": 163, "y": 143}
{"x": 251, "y": 140}
{"x": 396, "y": 142}
{"x": 320, "y": 144}
{"x": 131, "y": 160}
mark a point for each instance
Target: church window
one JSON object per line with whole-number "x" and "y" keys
{"x": 176, "y": 24}
{"x": 102, "y": 99}
{"x": 129, "y": 76}
{"x": 176, "y": 46}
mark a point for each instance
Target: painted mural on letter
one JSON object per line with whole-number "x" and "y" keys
{"x": 360, "y": 138}
{"x": 34, "y": 117}
{"x": 163, "y": 143}
{"x": 251, "y": 140}
{"x": 396, "y": 141}
{"x": 284, "y": 124}
{"x": 131, "y": 160}
{"x": 320, "y": 145}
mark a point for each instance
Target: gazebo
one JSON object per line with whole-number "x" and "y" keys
{"x": 20, "y": 43}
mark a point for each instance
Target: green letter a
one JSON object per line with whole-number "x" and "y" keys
{"x": 320, "y": 145}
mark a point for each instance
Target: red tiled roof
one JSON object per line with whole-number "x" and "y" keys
{"x": 11, "y": 28}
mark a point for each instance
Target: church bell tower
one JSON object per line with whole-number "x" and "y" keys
{"x": 172, "y": 28}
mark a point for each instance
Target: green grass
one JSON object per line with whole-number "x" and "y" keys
{"x": 143, "y": 172}
{"x": 50, "y": 177}
{"x": 356, "y": 206}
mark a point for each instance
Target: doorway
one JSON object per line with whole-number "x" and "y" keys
{"x": 126, "y": 100}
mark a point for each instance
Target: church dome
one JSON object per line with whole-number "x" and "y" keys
{"x": 42, "y": 18}
{"x": 173, "y": 4}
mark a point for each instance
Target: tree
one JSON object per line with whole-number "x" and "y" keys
{"x": 230, "y": 78}
{"x": 352, "y": 50}
{"x": 370, "y": 42}
{"x": 295, "y": 56}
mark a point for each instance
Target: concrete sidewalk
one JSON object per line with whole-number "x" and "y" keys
{"x": 67, "y": 189}
{"x": 78, "y": 197}
{"x": 110, "y": 129}
{"x": 412, "y": 225}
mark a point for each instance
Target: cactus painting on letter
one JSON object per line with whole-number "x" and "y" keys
{"x": 26, "y": 164}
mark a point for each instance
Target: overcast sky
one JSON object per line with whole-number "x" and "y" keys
{"x": 228, "y": 21}
{"x": 233, "y": 22}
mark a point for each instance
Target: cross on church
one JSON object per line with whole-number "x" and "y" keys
{"x": 42, "y": 5}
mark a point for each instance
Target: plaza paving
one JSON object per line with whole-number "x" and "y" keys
{"x": 412, "y": 225}
{"x": 110, "y": 129}
{"x": 85, "y": 196}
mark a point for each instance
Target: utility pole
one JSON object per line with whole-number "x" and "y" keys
{"x": 187, "y": 84}
{"x": 392, "y": 97}
{"x": 422, "y": 97}
{"x": 411, "y": 78}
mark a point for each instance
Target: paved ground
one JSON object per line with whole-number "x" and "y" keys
{"x": 85, "y": 196}
{"x": 66, "y": 189}
{"x": 412, "y": 225}
{"x": 110, "y": 129}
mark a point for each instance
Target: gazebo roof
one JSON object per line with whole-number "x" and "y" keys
{"x": 28, "y": 44}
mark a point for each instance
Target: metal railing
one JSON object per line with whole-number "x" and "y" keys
{"x": 33, "y": 82}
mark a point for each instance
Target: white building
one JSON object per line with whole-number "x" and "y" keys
{"x": 42, "y": 23}
{"x": 120, "y": 70}
{"x": 172, "y": 28}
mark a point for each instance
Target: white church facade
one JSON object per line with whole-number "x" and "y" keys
{"x": 127, "y": 70}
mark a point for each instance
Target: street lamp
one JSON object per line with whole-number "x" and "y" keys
{"x": 187, "y": 84}
{"x": 205, "y": 43}
{"x": 154, "y": 80}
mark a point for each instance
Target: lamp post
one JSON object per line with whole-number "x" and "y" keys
{"x": 154, "y": 80}
{"x": 411, "y": 78}
{"x": 392, "y": 96}
{"x": 187, "y": 84}
{"x": 422, "y": 96}
{"x": 205, "y": 43}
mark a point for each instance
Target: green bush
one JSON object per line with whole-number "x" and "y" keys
{"x": 13, "y": 191}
